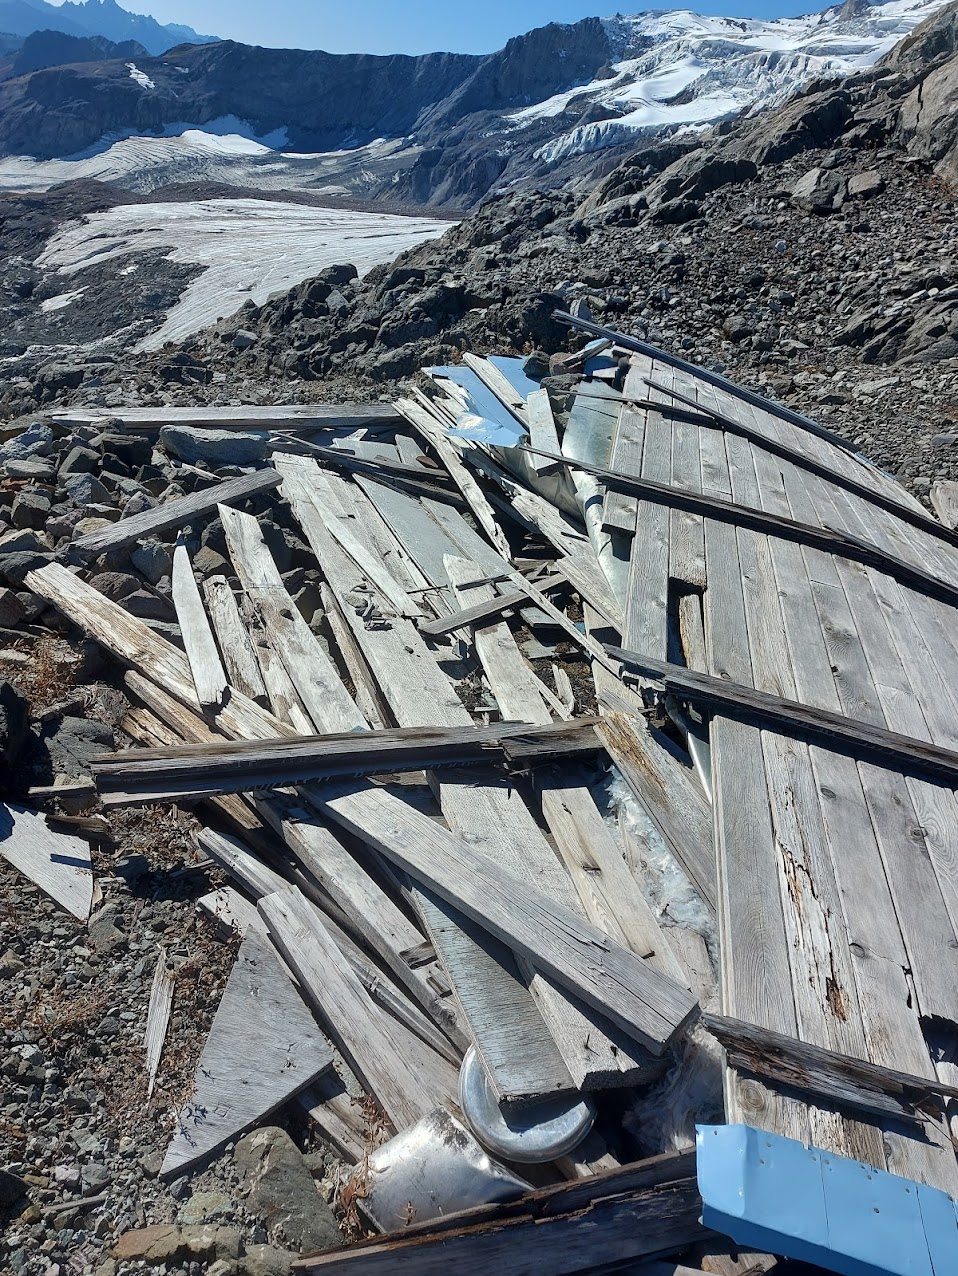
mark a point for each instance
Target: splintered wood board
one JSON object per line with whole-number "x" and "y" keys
{"x": 59, "y": 864}
{"x": 263, "y": 1047}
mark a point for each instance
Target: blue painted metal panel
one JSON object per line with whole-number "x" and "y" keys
{"x": 777, "y": 1195}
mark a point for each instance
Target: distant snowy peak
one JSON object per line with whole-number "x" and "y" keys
{"x": 680, "y": 70}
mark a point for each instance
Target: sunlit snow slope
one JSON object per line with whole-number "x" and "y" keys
{"x": 680, "y": 69}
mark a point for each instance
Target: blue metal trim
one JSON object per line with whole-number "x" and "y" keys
{"x": 776, "y": 1195}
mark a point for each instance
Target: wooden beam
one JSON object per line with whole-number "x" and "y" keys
{"x": 157, "y": 1018}
{"x": 711, "y": 418}
{"x": 791, "y": 717}
{"x": 201, "y": 770}
{"x": 609, "y": 1229}
{"x": 233, "y": 639}
{"x": 944, "y": 497}
{"x": 174, "y": 513}
{"x": 306, "y": 418}
{"x": 542, "y": 432}
{"x": 842, "y": 544}
{"x": 837, "y": 1079}
{"x": 491, "y": 609}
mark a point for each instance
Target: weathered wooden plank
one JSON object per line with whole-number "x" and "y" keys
{"x": 542, "y": 431}
{"x": 59, "y": 864}
{"x": 646, "y": 1004}
{"x": 669, "y": 795}
{"x": 487, "y": 610}
{"x": 610, "y": 1229}
{"x": 399, "y": 1071}
{"x": 174, "y": 513}
{"x": 369, "y": 699}
{"x": 308, "y": 418}
{"x": 944, "y": 498}
{"x": 157, "y": 1018}
{"x": 313, "y": 674}
{"x": 838, "y": 1078}
{"x": 247, "y": 1069}
{"x": 746, "y": 704}
{"x": 710, "y": 417}
{"x": 187, "y": 771}
{"x": 520, "y": 1057}
{"x": 235, "y": 644}
{"x": 209, "y": 676}
{"x": 259, "y": 880}
{"x": 459, "y": 473}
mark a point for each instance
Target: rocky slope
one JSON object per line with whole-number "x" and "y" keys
{"x": 810, "y": 251}
{"x": 557, "y": 104}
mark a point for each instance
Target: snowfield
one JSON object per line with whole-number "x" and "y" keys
{"x": 249, "y": 248}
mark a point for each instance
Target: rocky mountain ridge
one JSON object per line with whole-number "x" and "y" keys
{"x": 558, "y": 104}
{"x": 103, "y": 18}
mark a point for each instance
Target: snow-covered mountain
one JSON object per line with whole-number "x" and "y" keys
{"x": 678, "y": 70}
{"x": 557, "y": 104}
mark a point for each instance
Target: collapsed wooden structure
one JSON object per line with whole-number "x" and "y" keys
{"x": 760, "y": 626}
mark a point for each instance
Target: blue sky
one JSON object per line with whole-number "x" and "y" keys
{"x": 411, "y": 26}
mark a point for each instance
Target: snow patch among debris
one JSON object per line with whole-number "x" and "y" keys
{"x": 141, "y": 77}
{"x": 60, "y": 302}
{"x": 250, "y": 248}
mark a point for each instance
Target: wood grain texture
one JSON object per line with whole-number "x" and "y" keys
{"x": 400, "y": 1072}
{"x": 59, "y": 864}
{"x": 263, "y": 1046}
{"x": 209, "y": 676}
{"x": 647, "y": 1005}
{"x": 233, "y": 639}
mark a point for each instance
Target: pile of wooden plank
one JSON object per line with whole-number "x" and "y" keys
{"x": 674, "y": 592}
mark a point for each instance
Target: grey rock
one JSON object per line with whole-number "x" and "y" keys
{"x": 148, "y": 606}
{"x": 266, "y": 1260}
{"x": 36, "y": 440}
{"x": 94, "y": 1179}
{"x": 14, "y": 723}
{"x": 243, "y": 339}
{"x": 12, "y": 1188}
{"x": 206, "y": 1207}
{"x": 866, "y": 185}
{"x": 21, "y": 541}
{"x": 74, "y": 742}
{"x": 216, "y": 447}
{"x": 115, "y": 585}
{"x": 30, "y": 509}
{"x": 820, "y": 190}
{"x": 31, "y": 469}
{"x": 12, "y": 610}
{"x": 152, "y": 560}
{"x": 80, "y": 460}
{"x": 737, "y": 328}
{"x": 86, "y": 489}
{"x": 281, "y": 1191}
{"x": 15, "y": 566}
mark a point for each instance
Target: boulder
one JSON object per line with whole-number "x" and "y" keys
{"x": 215, "y": 447}
{"x": 36, "y": 440}
{"x": 79, "y": 460}
{"x": 281, "y": 1190}
{"x": 820, "y": 190}
{"x": 865, "y": 185}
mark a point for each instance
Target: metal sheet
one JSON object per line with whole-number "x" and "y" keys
{"x": 434, "y": 1168}
{"x": 531, "y": 1134}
